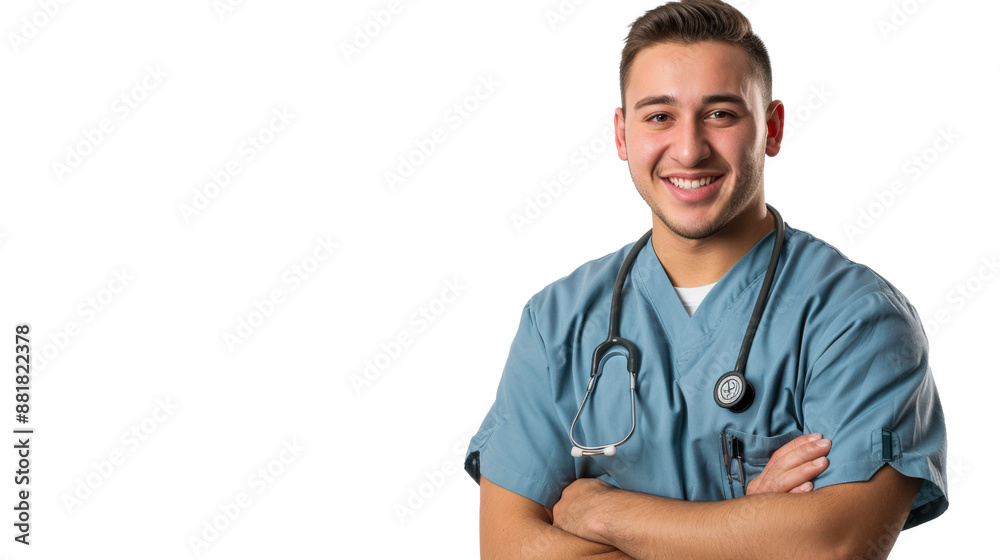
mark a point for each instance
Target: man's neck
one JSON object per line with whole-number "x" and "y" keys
{"x": 699, "y": 262}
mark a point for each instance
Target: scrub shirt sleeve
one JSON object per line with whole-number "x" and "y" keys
{"x": 521, "y": 445}
{"x": 871, "y": 392}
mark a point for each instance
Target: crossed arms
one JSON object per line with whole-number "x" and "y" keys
{"x": 779, "y": 518}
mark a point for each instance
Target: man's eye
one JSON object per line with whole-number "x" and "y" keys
{"x": 658, "y": 118}
{"x": 720, "y": 115}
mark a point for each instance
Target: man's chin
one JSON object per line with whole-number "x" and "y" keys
{"x": 691, "y": 223}
{"x": 692, "y": 234}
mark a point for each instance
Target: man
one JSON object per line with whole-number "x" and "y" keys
{"x": 843, "y": 441}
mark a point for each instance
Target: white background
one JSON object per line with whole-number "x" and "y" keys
{"x": 367, "y": 449}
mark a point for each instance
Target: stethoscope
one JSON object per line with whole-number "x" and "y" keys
{"x": 732, "y": 390}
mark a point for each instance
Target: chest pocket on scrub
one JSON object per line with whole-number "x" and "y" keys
{"x": 743, "y": 457}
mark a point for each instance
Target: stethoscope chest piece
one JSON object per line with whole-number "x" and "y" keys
{"x": 734, "y": 392}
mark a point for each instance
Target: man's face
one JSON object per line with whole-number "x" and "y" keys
{"x": 695, "y": 133}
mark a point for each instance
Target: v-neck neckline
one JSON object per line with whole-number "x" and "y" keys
{"x": 683, "y": 331}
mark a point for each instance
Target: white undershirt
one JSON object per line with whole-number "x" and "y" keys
{"x": 691, "y": 298}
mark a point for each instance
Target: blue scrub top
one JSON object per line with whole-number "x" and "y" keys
{"x": 839, "y": 351}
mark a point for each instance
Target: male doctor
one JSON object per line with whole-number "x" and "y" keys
{"x": 843, "y": 443}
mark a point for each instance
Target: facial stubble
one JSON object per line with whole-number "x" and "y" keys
{"x": 751, "y": 177}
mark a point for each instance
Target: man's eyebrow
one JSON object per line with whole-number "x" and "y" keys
{"x": 707, "y": 100}
{"x": 655, "y": 100}
{"x": 724, "y": 98}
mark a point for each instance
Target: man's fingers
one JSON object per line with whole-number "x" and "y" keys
{"x": 804, "y": 452}
{"x": 800, "y": 475}
{"x": 794, "y": 444}
{"x": 802, "y": 488}
{"x": 801, "y": 461}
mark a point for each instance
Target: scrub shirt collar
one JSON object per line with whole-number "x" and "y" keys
{"x": 741, "y": 281}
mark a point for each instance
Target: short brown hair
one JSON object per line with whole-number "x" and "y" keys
{"x": 691, "y": 21}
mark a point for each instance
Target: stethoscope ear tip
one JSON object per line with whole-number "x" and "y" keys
{"x": 577, "y": 452}
{"x": 610, "y": 451}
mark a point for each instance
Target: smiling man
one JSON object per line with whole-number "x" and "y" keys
{"x": 826, "y": 438}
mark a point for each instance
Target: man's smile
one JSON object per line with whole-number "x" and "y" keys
{"x": 691, "y": 188}
{"x": 692, "y": 180}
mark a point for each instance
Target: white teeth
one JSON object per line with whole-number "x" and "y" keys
{"x": 685, "y": 184}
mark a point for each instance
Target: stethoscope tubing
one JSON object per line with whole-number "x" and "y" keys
{"x": 765, "y": 292}
{"x": 613, "y": 340}
{"x": 632, "y": 352}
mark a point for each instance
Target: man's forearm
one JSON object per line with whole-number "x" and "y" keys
{"x": 512, "y": 526}
{"x": 759, "y": 526}
{"x": 543, "y": 541}
{"x": 834, "y": 522}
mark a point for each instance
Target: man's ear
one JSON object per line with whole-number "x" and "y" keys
{"x": 620, "y": 134}
{"x": 775, "y": 127}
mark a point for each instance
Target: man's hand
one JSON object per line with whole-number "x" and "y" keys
{"x": 793, "y": 466}
{"x": 572, "y": 513}
{"x": 790, "y": 470}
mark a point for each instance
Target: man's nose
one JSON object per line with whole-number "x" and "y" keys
{"x": 688, "y": 145}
